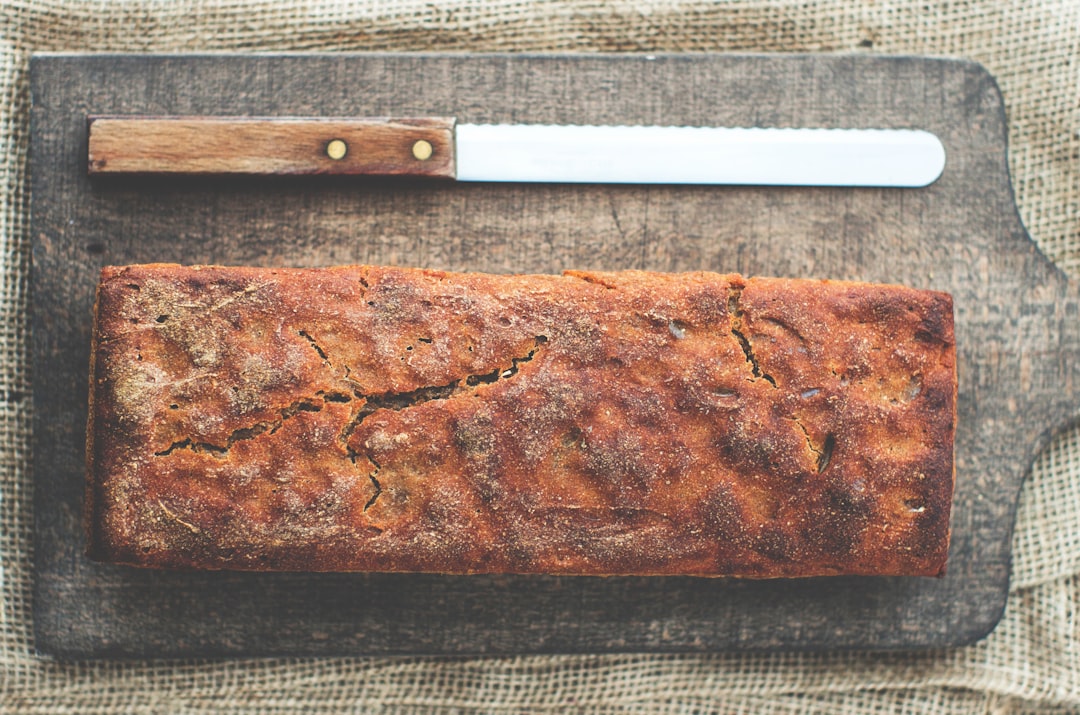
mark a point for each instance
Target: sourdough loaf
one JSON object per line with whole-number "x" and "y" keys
{"x": 390, "y": 419}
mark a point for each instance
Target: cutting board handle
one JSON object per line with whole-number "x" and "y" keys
{"x": 1068, "y": 350}
{"x": 271, "y": 146}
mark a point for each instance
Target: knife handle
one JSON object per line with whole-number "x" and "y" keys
{"x": 271, "y": 146}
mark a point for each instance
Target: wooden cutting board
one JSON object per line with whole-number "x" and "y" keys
{"x": 1017, "y": 326}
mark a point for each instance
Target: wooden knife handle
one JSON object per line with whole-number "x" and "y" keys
{"x": 271, "y": 146}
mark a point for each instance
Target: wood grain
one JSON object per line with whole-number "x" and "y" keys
{"x": 1017, "y": 326}
{"x": 272, "y": 146}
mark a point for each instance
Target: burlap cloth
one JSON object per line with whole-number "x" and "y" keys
{"x": 1031, "y": 663}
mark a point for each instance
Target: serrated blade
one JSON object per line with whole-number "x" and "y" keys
{"x": 697, "y": 155}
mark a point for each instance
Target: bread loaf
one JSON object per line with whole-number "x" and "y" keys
{"x": 390, "y": 419}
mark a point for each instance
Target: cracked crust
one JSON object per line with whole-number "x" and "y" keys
{"x": 385, "y": 419}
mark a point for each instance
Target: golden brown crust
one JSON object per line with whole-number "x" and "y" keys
{"x": 386, "y": 419}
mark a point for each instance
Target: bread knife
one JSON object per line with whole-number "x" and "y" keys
{"x": 543, "y": 153}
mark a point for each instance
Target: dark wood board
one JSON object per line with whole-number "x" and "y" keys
{"x": 1017, "y": 327}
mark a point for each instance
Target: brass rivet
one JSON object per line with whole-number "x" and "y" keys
{"x": 422, "y": 150}
{"x": 337, "y": 149}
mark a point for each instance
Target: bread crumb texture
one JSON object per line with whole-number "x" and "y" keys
{"x": 390, "y": 419}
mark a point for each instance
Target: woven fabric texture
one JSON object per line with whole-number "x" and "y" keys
{"x": 1030, "y": 664}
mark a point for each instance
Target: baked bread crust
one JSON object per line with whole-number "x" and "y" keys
{"x": 390, "y": 419}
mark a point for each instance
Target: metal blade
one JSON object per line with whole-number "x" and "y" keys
{"x": 697, "y": 155}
